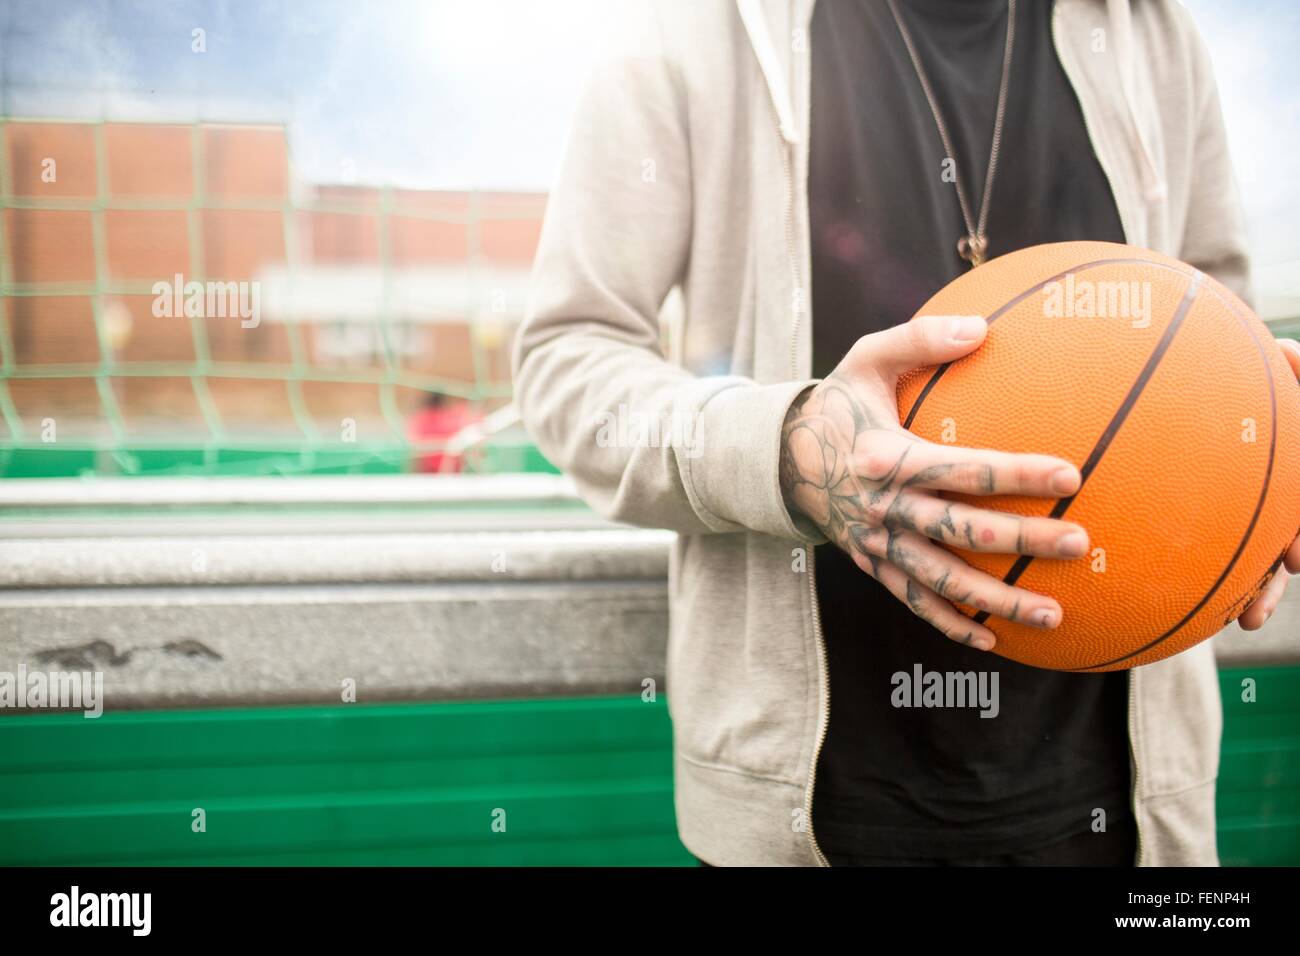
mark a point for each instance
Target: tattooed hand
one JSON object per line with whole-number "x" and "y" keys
{"x": 869, "y": 485}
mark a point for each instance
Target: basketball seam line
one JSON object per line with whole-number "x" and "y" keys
{"x": 1254, "y": 518}
{"x": 1003, "y": 309}
{"x": 1116, "y": 422}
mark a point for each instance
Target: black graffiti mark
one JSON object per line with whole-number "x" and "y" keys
{"x": 102, "y": 653}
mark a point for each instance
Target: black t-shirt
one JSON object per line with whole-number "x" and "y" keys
{"x": 935, "y": 783}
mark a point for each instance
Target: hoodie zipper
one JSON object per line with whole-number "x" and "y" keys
{"x": 1128, "y": 233}
{"x": 825, "y": 720}
{"x": 819, "y": 637}
{"x": 755, "y": 24}
{"x": 802, "y": 306}
{"x": 1132, "y": 741}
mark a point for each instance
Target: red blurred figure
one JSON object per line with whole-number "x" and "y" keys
{"x": 440, "y": 418}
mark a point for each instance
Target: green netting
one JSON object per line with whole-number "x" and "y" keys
{"x": 215, "y": 448}
{"x": 212, "y": 447}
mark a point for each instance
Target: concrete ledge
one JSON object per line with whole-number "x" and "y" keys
{"x": 574, "y": 627}
{"x": 245, "y": 591}
{"x": 368, "y": 490}
{"x": 224, "y": 646}
{"x": 198, "y": 561}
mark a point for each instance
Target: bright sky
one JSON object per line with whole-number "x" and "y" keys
{"x": 477, "y": 93}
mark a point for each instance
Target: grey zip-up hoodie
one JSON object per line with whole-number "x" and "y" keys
{"x": 688, "y": 168}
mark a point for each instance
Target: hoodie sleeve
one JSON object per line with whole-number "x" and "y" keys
{"x": 645, "y": 441}
{"x": 1214, "y": 237}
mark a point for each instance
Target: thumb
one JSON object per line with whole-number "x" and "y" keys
{"x": 926, "y": 340}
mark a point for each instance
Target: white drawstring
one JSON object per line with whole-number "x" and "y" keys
{"x": 751, "y": 15}
{"x": 1153, "y": 183}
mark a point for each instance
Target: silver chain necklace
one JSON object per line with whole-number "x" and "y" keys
{"x": 974, "y": 244}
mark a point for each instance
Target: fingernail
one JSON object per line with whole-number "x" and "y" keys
{"x": 1065, "y": 481}
{"x": 1045, "y": 618}
{"x": 1073, "y": 545}
{"x": 966, "y": 328}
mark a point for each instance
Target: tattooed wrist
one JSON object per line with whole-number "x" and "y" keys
{"x": 787, "y": 470}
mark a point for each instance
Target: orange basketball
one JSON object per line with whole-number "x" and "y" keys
{"x": 1181, "y": 413}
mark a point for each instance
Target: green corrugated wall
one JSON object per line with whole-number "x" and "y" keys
{"x": 1259, "y": 774}
{"x": 580, "y": 781}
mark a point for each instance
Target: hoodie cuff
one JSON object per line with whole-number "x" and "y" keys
{"x": 735, "y": 478}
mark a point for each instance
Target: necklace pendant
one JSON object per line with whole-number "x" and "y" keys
{"x": 972, "y": 249}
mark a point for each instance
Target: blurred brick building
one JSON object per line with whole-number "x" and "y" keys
{"x": 96, "y": 214}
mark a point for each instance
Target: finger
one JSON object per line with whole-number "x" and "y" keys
{"x": 931, "y": 608}
{"x": 979, "y": 529}
{"x": 926, "y": 340}
{"x": 1262, "y": 608}
{"x": 1291, "y": 349}
{"x": 954, "y": 580}
{"x": 974, "y": 471}
{"x": 1292, "y": 557}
